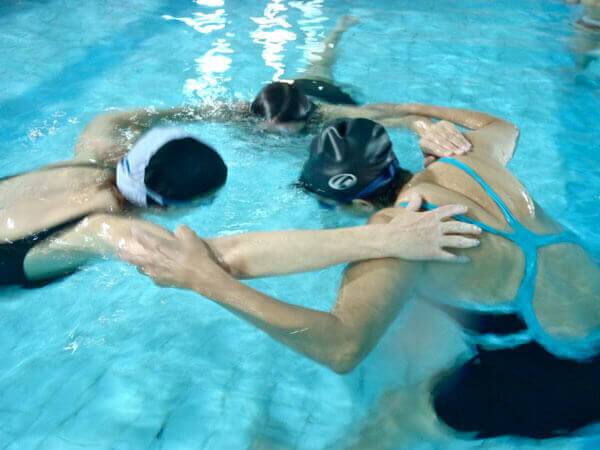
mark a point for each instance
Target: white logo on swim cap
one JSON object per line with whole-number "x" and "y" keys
{"x": 342, "y": 181}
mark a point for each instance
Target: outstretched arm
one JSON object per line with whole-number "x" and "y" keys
{"x": 451, "y": 143}
{"x": 371, "y": 295}
{"x": 108, "y": 137}
{"x": 493, "y": 137}
{"x": 411, "y": 235}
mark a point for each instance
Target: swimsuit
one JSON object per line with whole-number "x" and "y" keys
{"x": 522, "y": 380}
{"x": 325, "y": 91}
{"x": 12, "y": 257}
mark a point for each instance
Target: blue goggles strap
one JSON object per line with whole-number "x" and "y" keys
{"x": 164, "y": 201}
{"x": 325, "y": 205}
{"x": 386, "y": 176}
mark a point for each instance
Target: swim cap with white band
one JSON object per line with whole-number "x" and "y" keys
{"x": 131, "y": 170}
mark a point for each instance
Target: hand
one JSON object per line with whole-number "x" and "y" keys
{"x": 414, "y": 235}
{"x": 183, "y": 261}
{"x": 443, "y": 139}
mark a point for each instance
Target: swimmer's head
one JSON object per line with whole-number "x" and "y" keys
{"x": 168, "y": 166}
{"x": 283, "y": 106}
{"x": 351, "y": 162}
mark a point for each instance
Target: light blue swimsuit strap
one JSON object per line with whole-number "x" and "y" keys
{"x": 529, "y": 242}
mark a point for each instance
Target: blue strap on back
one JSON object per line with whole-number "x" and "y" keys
{"x": 529, "y": 242}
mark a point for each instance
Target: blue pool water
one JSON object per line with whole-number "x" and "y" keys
{"x": 104, "y": 359}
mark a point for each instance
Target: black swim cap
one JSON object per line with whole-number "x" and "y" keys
{"x": 183, "y": 169}
{"x": 281, "y": 102}
{"x": 347, "y": 158}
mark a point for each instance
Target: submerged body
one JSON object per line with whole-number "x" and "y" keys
{"x": 54, "y": 219}
{"x": 530, "y": 344}
{"x": 567, "y": 283}
{"x": 528, "y": 303}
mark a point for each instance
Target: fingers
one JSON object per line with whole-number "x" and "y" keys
{"x": 454, "y": 135}
{"x": 147, "y": 240}
{"x": 451, "y": 257}
{"x": 440, "y": 146}
{"x": 184, "y": 232}
{"x": 159, "y": 281}
{"x": 456, "y": 227}
{"x": 429, "y": 160}
{"x": 444, "y": 139}
{"x": 447, "y": 211}
{"x": 458, "y": 242}
{"x": 131, "y": 258}
{"x": 415, "y": 201}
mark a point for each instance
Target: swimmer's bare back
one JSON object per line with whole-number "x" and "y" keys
{"x": 42, "y": 199}
{"x": 495, "y": 274}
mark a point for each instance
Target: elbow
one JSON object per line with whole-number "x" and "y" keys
{"x": 343, "y": 367}
{"x": 511, "y": 127}
{"x": 346, "y": 359}
{"x": 232, "y": 259}
{"x": 516, "y": 132}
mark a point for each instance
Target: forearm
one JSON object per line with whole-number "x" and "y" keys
{"x": 261, "y": 254}
{"x": 464, "y": 117}
{"x": 108, "y": 138}
{"x": 320, "y": 336}
{"x": 216, "y": 110}
{"x": 417, "y": 124}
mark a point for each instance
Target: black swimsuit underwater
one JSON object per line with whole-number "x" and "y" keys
{"x": 12, "y": 257}
{"x": 325, "y": 91}
{"x": 521, "y": 381}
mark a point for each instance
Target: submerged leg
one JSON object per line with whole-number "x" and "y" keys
{"x": 400, "y": 419}
{"x": 321, "y": 60}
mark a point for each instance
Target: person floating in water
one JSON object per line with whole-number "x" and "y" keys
{"x": 308, "y": 100}
{"x": 528, "y": 301}
{"x": 55, "y": 219}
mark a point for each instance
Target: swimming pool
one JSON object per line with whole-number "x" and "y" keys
{"x": 104, "y": 359}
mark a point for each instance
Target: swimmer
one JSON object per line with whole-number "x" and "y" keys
{"x": 528, "y": 301}
{"x": 289, "y": 106}
{"x": 54, "y": 219}
{"x": 310, "y": 99}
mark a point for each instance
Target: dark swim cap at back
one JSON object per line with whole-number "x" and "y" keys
{"x": 183, "y": 169}
{"x": 348, "y": 159}
{"x": 281, "y": 102}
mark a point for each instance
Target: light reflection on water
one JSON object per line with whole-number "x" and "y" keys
{"x": 201, "y": 22}
{"x": 312, "y": 24}
{"x": 273, "y": 33}
{"x": 212, "y": 67}
{"x": 213, "y": 64}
